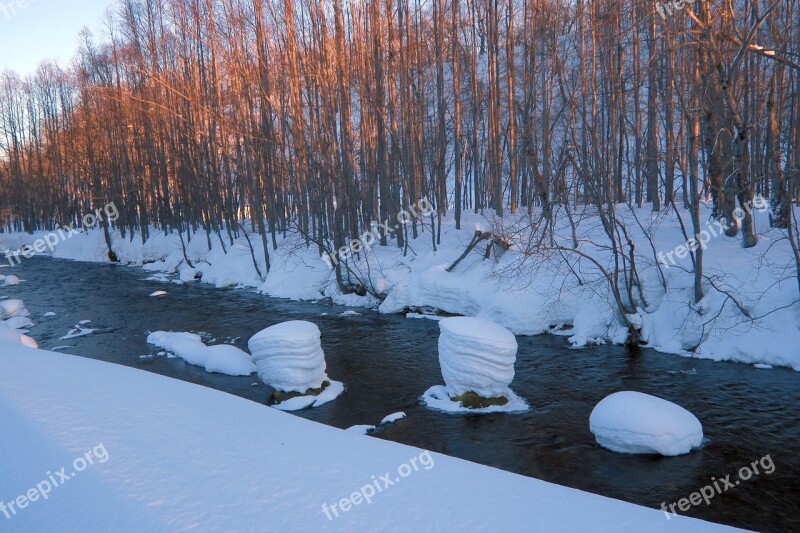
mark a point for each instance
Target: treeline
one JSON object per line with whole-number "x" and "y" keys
{"x": 321, "y": 116}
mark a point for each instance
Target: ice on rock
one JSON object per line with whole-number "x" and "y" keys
{"x": 637, "y": 423}
{"x": 221, "y": 358}
{"x": 477, "y": 356}
{"x": 289, "y": 356}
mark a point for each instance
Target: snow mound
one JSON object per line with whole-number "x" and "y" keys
{"x": 437, "y": 398}
{"x": 331, "y": 392}
{"x": 19, "y": 322}
{"x": 476, "y": 355}
{"x": 222, "y": 358}
{"x": 637, "y": 423}
{"x": 9, "y": 334}
{"x": 289, "y": 356}
{"x": 12, "y": 308}
{"x": 12, "y": 280}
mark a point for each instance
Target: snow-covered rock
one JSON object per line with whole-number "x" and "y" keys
{"x": 19, "y": 322}
{"x": 9, "y": 334}
{"x": 12, "y": 280}
{"x": 222, "y": 358}
{"x": 477, "y": 356}
{"x": 637, "y": 423}
{"x": 289, "y": 356}
{"x": 392, "y": 418}
{"x": 12, "y": 308}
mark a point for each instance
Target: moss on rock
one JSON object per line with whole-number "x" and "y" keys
{"x": 472, "y": 400}
{"x": 280, "y": 396}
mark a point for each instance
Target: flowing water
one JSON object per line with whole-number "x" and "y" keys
{"x": 387, "y": 362}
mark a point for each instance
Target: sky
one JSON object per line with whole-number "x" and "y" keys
{"x": 34, "y": 30}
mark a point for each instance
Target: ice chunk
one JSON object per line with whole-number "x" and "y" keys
{"x": 633, "y": 422}
{"x": 477, "y": 356}
{"x": 392, "y": 418}
{"x": 289, "y": 356}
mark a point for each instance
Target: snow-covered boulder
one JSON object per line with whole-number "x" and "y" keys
{"x": 12, "y": 308}
{"x": 476, "y": 356}
{"x": 221, "y": 358}
{"x": 8, "y": 334}
{"x": 12, "y": 280}
{"x": 289, "y": 356}
{"x": 633, "y": 422}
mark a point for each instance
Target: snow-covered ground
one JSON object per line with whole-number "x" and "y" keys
{"x": 530, "y": 298}
{"x": 119, "y": 449}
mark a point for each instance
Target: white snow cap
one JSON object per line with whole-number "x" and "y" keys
{"x": 633, "y": 422}
{"x": 476, "y": 355}
{"x": 289, "y": 356}
{"x": 221, "y": 358}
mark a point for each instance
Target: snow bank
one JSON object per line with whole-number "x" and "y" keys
{"x": 216, "y": 462}
{"x": 289, "y": 356}
{"x": 476, "y": 356}
{"x": 633, "y": 422}
{"x": 222, "y": 358}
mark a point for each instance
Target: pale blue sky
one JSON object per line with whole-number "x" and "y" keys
{"x": 45, "y": 29}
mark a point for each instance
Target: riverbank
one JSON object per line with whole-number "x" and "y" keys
{"x": 176, "y": 456}
{"x": 751, "y": 313}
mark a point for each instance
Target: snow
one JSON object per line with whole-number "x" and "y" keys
{"x": 12, "y": 308}
{"x": 184, "y": 457}
{"x": 221, "y": 358}
{"x": 11, "y": 335}
{"x": 361, "y": 429}
{"x": 392, "y": 418}
{"x": 763, "y": 366}
{"x": 476, "y": 355}
{"x": 49, "y": 314}
{"x": 11, "y": 280}
{"x": 289, "y": 356}
{"x": 77, "y": 331}
{"x": 541, "y": 296}
{"x": 159, "y": 293}
{"x": 331, "y": 392}
{"x": 438, "y": 399}
{"x": 19, "y": 322}
{"x": 637, "y": 423}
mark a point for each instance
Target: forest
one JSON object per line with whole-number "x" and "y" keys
{"x": 319, "y": 117}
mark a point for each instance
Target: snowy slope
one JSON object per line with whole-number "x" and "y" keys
{"x": 180, "y": 456}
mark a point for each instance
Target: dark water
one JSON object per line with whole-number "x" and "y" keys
{"x": 387, "y": 362}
